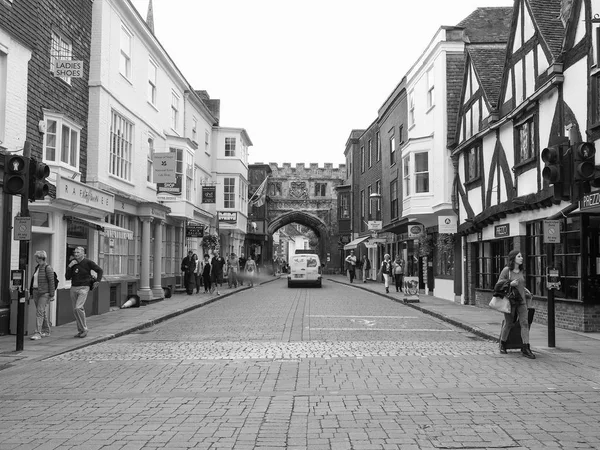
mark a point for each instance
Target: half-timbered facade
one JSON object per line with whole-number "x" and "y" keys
{"x": 538, "y": 97}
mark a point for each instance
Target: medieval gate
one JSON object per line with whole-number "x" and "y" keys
{"x": 307, "y": 196}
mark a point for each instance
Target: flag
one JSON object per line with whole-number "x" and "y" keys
{"x": 258, "y": 198}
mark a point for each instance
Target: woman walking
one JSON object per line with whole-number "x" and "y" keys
{"x": 251, "y": 270}
{"x": 398, "y": 268}
{"x": 206, "y": 274}
{"x": 386, "y": 271}
{"x": 513, "y": 274}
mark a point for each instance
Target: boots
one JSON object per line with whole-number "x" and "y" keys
{"x": 387, "y": 290}
{"x": 526, "y": 350}
{"x": 503, "y": 347}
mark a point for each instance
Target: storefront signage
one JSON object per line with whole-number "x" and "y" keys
{"x": 209, "y": 194}
{"x": 194, "y": 231}
{"x": 226, "y": 216}
{"x": 501, "y": 231}
{"x": 164, "y": 167}
{"x": 170, "y": 188}
{"x": 68, "y": 68}
{"x": 415, "y": 230}
{"x": 83, "y": 194}
{"x": 374, "y": 225}
{"x": 447, "y": 224}
{"x": 590, "y": 200}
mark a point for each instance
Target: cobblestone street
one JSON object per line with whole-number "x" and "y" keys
{"x": 273, "y": 367}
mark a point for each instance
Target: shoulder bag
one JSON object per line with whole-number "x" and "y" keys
{"x": 501, "y": 304}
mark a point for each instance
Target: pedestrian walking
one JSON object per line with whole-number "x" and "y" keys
{"x": 206, "y": 281}
{"x": 188, "y": 265}
{"x": 242, "y": 263}
{"x": 197, "y": 273}
{"x": 79, "y": 271}
{"x": 398, "y": 271}
{"x": 216, "y": 275}
{"x": 386, "y": 271}
{"x": 251, "y": 271}
{"x": 42, "y": 288}
{"x": 366, "y": 268}
{"x": 351, "y": 261}
{"x": 233, "y": 266}
{"x": 513, "y": 274}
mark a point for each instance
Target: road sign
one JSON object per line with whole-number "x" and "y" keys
{"x": 551, "y": 231}
{"x": 22, "y": 229}
{"x": 553, "y": 279}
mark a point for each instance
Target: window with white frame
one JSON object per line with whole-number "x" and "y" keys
{"x": 61, "y": 140}
{"x": 174, "y": 110}
{"x": 61, "y": 48}
{"x": 370, "y": 207}
{"x": 411, "y": 109}
{"x": 362, "y": 210}
{"x": 229, "y": 192}
{"x": 117, "y": 255}
{"x": 150, "y": 160}
{"x": 430, "y": 88}
{"x": 378, "y": 146}
{"x": 194, "y": 129}
{"x": 473, "y": 163}
{"x": 370, "y": 153}
{"x": 229, "y": 146}
{"x": 206, "y": 141}
{"x": 394, "y": 199}
{"x": 121, "y": 146}
{"x": 392, "y": 149}
{"x": 125, "y": 57}
{"x": 526, "y": 137}
{"x": 378, "y": 200}
{"x": 189, "y": 175}
{"x": 152, "y": 71}
{"x": 3, "y": 93}
{"x": 362, "y": 159}
{"x": 178, "y": 162}
{"x": 406, "y": 175}
{"x": 421, "y": 172}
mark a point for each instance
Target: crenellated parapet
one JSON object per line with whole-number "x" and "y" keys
{"x": 311, "y": 171}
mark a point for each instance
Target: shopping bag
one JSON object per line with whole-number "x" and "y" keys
{"x": 501, "y": 304}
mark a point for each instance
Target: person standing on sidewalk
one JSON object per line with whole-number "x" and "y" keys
{"x": 351, "y": 260}
{"x": 42, "y": 289}
{"x": 205, "y": 266}
{"x": 386, "y": 271}
{"x": 242, "y": 261}
{"x": 197, "y": 273}
{"x": 513, "y": 274}
{"x": 366, "y": 268}
{"x": 216, "y": 266}
{"x": 188, "y": 265}
{"x": 79, "y": 271}
{"x": 251, "y": 270}
{"x": 398, "y": 268}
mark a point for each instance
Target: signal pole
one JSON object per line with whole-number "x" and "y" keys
{"x": 23, "y": 262}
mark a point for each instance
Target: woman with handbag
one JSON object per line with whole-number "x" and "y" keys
{"x": 513, "y": 274}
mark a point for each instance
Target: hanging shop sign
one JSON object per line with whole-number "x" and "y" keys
{"x": 170, "y": 188}
{"x": 164, "y": 167}
{"x": 415, "y": 230}
{"x": 68, "y": 68}
{"x": 194, "y": 231}
{"x": 209, "y": 194}
{"x": 447, "y": 224}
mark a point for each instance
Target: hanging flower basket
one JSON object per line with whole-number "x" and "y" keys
{"x": 425, "y": 242}
{"x": 210, "y": 242}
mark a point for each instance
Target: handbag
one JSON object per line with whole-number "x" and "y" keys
{"x": 501, "y": 304}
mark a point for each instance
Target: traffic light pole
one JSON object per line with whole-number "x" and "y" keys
{"x": 23, "y": 261}
{"x": 551, "y": 312}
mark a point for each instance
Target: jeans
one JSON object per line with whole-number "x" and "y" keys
{"x": 509, "y": 319}
{"x": 386, "y": 279}
{"x": 78, "y": 297}
{"x": 42, "y": 324}
{"x": 365, "y": 276}
{"x": 398, "y": 277}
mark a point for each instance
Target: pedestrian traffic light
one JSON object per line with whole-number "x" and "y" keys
{"x": 16, "y": 172}
{"x": 38, "y": 185}
{"x": 584, "y": 165}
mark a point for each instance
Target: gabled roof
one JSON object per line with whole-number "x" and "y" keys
{"x": 490, "y": 24}
{"x": 546, "y": 15}
{"x": 488, "y": 63}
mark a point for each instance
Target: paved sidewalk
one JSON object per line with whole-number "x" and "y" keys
{"x": 485, "y": 322}
{"x": 118, "y": 322}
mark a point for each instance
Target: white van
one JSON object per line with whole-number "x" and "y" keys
{"x": 305, "y": 269}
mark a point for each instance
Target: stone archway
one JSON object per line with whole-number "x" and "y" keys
{"x": 313, "y": 222}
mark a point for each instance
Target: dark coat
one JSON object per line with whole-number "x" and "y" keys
{"x": 501, "y": 289}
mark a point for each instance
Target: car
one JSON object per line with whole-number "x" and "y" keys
{"x": 305, "y": 269}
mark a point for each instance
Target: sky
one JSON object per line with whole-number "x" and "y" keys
{"x": 299, "y": 76}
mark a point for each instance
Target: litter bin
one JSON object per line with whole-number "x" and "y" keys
{"x": 29, "y": 314}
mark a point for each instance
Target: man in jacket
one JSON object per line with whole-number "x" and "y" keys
{"x": 217, "y": 264}
{"x": 42, "y": 290}
{"x": 79, "y": 271}
{"x": 188, "y": 265}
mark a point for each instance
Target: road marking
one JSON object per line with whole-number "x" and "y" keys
{"x": 377, "y": 329}
{"x": 367, "y": 317}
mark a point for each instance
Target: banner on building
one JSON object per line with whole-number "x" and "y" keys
{"x": 227, "y": 217}
{"x": 209, "y": 194}
{"x": 258, "y": 198}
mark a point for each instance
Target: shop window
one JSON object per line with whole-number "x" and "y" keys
{"x": 473, "y": 163}
{"x": 443, "y": 254}
{"x": 116, "y": 255}
{"x": 567, "y": 259}
{"x": 490, "y": 259}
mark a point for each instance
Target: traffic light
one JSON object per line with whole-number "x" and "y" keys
{"x": 16, "y": 172}
{"x": 557, "y": 169}
{"x": 38, "y": 186}
{"x": 584, "y": 165}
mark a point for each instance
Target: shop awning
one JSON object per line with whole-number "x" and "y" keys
{"x": 110, "y": 230}
{"x": 353, "y": 244}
